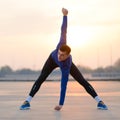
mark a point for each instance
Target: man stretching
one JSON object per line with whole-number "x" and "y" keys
{"x": 61, "y": 57}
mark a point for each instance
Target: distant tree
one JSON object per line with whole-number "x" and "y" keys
{"x": 25, "y": 71}
{"x": 110, "y": 69}
{"x": 84, "y": 69}
{"x": 99, "y": 70}
{"x": 5, "y": 70}
{"x": 117, "y": 63}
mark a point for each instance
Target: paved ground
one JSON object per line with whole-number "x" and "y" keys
{"x": 78, "y": 105}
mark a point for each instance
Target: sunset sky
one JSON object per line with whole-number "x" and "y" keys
{"x": 30, "y": 30}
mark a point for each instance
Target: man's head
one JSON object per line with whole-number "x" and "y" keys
{"x": 63, "y": 52}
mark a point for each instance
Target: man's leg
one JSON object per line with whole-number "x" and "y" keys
{"x": 78, "y": 77}
{"x": 49, "y": 66}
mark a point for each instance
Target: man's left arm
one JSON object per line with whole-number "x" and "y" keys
{"x": 64, "y": 80}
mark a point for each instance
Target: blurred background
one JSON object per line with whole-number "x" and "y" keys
{"x": 30, "y": 30}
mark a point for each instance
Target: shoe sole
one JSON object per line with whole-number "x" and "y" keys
{"x": 102, "y": 108}
{"x": 27, "y": 108}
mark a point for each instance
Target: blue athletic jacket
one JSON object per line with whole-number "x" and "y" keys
{"x": 64, "y": 65}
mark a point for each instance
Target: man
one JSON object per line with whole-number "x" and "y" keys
{"x": 61, "y": 57}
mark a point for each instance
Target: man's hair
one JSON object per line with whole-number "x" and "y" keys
{"x": 65, "y": 48}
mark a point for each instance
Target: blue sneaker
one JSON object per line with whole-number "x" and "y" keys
{"x": 102, "y": 106}
{"x": 25, "y": 106}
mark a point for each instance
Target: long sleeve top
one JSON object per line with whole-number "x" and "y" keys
{"x": 64, "y": 65}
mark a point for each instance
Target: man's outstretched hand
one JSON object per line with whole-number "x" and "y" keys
{"x": 64, "y": 11}
{"x": 58, "y": 107}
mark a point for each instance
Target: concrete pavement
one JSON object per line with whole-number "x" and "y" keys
{"x": 78, "y": 104}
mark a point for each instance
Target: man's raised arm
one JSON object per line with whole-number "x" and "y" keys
{"x": 63, "y": 28}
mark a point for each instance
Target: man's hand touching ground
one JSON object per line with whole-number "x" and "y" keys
{"x": 58, "y": 107}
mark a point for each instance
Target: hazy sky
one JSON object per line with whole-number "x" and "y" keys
{"x": 30, "y": 30}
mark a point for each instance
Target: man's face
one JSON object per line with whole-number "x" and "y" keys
{"x": 62, "y": 55}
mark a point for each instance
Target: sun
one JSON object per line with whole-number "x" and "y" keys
{"x": 78, "y": 36}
